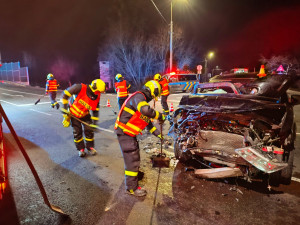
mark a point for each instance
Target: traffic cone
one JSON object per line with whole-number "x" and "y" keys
{"x": 171, "y": 108}
{"x": 108, "y": 103}
{"x": 262, "y": 72}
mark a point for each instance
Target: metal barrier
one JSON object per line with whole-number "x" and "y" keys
{"x": 12, "y": 72}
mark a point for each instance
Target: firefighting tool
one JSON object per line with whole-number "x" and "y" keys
{"x": 34, "y": 172}
{"x": 160, "y": 160}
{"x": 74, "y": 117}
{"x": 40, "y": 99}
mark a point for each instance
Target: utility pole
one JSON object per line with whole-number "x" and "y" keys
{"x": 171, "y": 38}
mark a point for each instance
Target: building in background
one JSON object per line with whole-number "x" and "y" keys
{"x": 105, "y": 74}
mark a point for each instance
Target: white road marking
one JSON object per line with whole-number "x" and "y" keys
{"x": 40, "y": 103}
{"x": 41, "y": 112}
{"x": 12, "y": 95}
{"x": 20, "y": 92}
{"x": 296, "y": 179}
{"x": 110, "y": 131}
{"x": 9, "y": 103}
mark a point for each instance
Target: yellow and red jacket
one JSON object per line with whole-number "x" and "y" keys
{"x": 164, "y": 87}
{"x": 83, "y": 104}
{"x": 121, "y": 88}
{"x": 131, "y": 121}
{"x": 51, "y": 85}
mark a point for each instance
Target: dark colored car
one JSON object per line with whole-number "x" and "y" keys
{"x": 234, "y": 133}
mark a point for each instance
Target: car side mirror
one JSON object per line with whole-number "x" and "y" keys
{"x": 295, "y": 99}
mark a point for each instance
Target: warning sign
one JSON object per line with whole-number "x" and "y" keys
{"x": 280, "y": 69}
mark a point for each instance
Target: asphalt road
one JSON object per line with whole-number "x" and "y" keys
{"x": 91, "y": 189}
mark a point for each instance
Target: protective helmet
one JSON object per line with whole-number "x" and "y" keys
{"x": 119, "y": 77}
{"x": 50, "y": 76}
{"x": 97, "y": 86}
{"x": 154, "y": 87}
{"x": 157, "y": 77}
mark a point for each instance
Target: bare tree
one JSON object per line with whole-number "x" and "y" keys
{"x": 274, "y": 62}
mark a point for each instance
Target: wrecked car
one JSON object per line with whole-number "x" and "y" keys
{"x": 233, "y": 133}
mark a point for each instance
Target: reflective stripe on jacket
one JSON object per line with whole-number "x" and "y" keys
{"x": 51, "y": 85}
{"x": 83, "y": 104}
{"x": 121, "y": 88}
{"x": 164, "y": 86}
{"x": 136, "y": 123}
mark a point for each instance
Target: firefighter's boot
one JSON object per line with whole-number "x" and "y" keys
{"x": 81, "y": 153}
{"x": 92, "y": 151}
{"x": 139, "y": 192}
{"x": 57, "y": 105}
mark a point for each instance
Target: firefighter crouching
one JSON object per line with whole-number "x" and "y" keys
{"x": 51, "y": 89}
{"x": 164, "y": 93}
{"x": 84, "y": 98}
{"x": 133, "y": 117}
{"x": 121, "y": 88}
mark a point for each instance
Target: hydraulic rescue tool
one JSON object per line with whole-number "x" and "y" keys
{"x": 160, "y": 160}
{"x": 34, "y": 172}
{"x": 39, "y": 99}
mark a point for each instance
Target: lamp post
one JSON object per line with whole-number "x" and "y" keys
{"x": 171, "y": 38}
{"x": 210, "y": 55}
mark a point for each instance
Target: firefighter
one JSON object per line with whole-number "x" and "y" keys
{"x": 165, "y": 92}
{"x": 83, "y": 99}
{"x": 121, "y": 88}
{"x": 133, "y": 117}
{"x": 51, "y": 89}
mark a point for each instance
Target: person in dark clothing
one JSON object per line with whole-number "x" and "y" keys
{"x": 121, "y": 88}
{"x": 51, "y": 89}
{"x": 84, "y": 98}
{"x": 133, "y": 117}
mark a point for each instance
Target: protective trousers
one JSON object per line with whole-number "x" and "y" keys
{"x": 78, "y": 129}
{"x": 131, "y": 154}
{"x": 121, "y": 100}
{"x": 52, "y": 96}
{"x": 164, "y": 104}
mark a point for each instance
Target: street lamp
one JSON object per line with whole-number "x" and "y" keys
{"x": 210, "y": 55}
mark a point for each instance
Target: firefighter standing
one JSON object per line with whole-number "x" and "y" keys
{"x": 164, "y": 93}
{"x": 51, "y": 89}
{"x": 133, "y": 117}
{"x": 121, "y": 89}
{"x": 83, "y": 99}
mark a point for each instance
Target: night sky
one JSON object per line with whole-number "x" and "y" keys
{"x": 239, "y": 31}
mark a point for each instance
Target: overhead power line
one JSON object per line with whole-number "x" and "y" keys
{"x": 159, "y": 12}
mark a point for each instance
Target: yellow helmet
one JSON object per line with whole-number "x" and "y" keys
{"x": 97, "y": 86}
{"x": 118, "y": 76}
{"x": 157, "y": 77}
{"x": 50, "y": 76}
{"x": 154, "y": 87}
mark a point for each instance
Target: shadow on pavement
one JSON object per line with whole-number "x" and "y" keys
{"x": 82, "y": 199}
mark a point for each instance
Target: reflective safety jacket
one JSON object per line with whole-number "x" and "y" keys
{"x": 83, "y": 104}
{"x": 51, "y": 85}
{"x": 164, "y": 86}
{"x": 131, "y": 120}
{"x": 121, "y": 89}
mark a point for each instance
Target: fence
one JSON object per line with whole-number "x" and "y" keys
{"x": 14, "y": 73}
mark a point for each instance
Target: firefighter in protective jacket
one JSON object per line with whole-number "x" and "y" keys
{"x": 51, "y": 89}
{"x": 121, "y": 88}
{"x": 164, "y": 93}
{"x": 133, "y": 117}
{"x": 83, "y": 99}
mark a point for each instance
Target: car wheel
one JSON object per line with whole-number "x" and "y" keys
{"x": 286, "y": 173}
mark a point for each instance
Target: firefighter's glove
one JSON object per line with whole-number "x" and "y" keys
{"x": 162, "y": 119}
{"x": 66, "y": 120}
{"x": 161, "y": 137}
